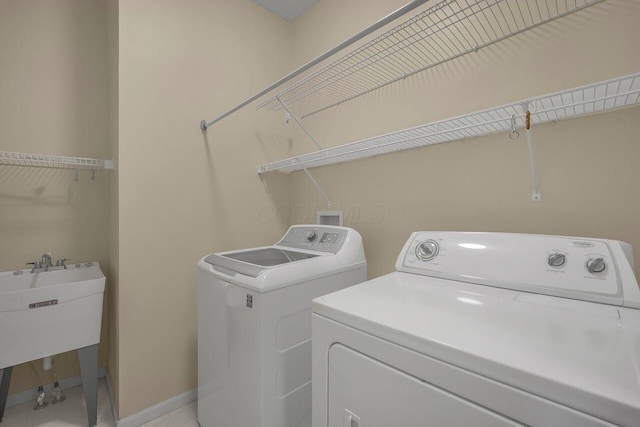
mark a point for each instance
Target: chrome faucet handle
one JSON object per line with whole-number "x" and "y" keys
{"x": 61, "y": 262}
{"x": 36, "y": 265}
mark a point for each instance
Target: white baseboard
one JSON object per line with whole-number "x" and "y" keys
{"x": 133, "y": 420}
{"x": 32, "y": 395}
{"x": 112, "y": 400}
{"x": 158, "y": 410}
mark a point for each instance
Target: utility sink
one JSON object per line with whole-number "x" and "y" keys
{"x": 49, "y": 312}
{"x": 43, "y": 313}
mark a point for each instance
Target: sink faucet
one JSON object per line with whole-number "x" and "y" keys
{"x": 61, "y": 262}
{"x": 46, "y": 261}
{"x": 37, "y": 265}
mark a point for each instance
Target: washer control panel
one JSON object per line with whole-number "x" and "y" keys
{"x": 562, "y": 266}
{"x": 316, "y": 238}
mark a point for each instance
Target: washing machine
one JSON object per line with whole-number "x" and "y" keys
{"x": 254, "y": 324}
{"x": 483, "y": 329}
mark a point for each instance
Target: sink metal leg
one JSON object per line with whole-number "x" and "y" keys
{"x": 4, "y": 388}
{"x": 88, "y": 357}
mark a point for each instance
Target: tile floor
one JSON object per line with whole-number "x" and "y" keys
{"x": 72, "y": 413}
{"x": 181, "y": 417}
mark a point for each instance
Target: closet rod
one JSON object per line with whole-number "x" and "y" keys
{"x": 382, "y": 22}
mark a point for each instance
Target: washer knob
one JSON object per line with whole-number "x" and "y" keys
{"x": 427, "y": 250}
{"x": 557, "y": 260}
{"x": 596, "y": 265}
{"x": 312, "y": 236}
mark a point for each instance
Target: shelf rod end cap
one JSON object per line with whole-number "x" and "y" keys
{"x": 536, "y": 196}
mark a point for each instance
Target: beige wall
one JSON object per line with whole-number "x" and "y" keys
{"x": 112, "y": 137}
{"x": 52, "y": 101}
{"x": 181, "y": 196}
{"x": 131, "y": 80}
{"x": 587, "y": 167}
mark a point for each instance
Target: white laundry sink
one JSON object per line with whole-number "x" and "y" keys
{"x": 49, "y": 312}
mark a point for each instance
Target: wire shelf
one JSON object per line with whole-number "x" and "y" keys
{"x": 445, "y": 31}
{"x": 595, "y": 98}
{"x": 57, "y": 162}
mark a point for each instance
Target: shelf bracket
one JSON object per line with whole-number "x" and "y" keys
{"x": 534, "y": 172}
{"x": 315, "y": 183}
{"x": 297, "y": 120}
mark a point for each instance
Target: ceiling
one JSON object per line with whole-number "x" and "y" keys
{"x": 287, "y": 9}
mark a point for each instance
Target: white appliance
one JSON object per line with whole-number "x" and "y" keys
{"x": 483, "y": 329}
{"x": 254, "y": 324}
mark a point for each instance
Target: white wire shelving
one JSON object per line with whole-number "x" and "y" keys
{"x": 58, "y": 162}
{"x": 594, "y": 98}
{"x": 447, "y": 30}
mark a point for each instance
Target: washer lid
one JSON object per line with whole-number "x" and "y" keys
{"x": 252, "y": 262}
{"x": 268, "y": 256}
{"x": 581, "y": 354}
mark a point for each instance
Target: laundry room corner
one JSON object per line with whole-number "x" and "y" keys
{"x": 165, "y": 261}
{"x": 181, "y": 192}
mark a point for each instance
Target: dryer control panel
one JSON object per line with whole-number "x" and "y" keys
{"x": 578, "y": 268}
{"x": 316, "y": 238}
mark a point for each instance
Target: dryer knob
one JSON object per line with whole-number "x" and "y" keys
{"x": 596, "y": 265}
{"x": 312, "y": 236}
{"x": 556, "y": 260}
{"x": 427, "y": 250}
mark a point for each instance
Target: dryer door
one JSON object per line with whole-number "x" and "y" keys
{"x": 365, "y": 392}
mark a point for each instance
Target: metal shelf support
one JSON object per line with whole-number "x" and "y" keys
{"x": 318, "y": 187}
{"x": 311, "y": 178}
{"x": 532, "y": 160}
{"x": 297, "y": 120}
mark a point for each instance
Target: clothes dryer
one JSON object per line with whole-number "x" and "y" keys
{"x": 484, "y": 329}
